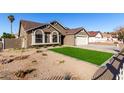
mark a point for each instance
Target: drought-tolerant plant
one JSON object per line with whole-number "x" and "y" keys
{"x": 34, "y": 61}
{"x": 39, "y": 51}
{"x": 62, "y": 61}
{"x": 44, "y": 54}
{"x": 22, "y": 73}
{"x": 67, "y": 76}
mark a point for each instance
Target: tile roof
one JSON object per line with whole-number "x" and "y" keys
{"x": 29, "y": 24}
{"x": 93, "y": 33}
{"x": 73, "y": 31}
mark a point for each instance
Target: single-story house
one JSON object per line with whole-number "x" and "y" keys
{"x": 34, "y": 33}
{"x": 109, "y": 37}
{"x": 95, "y": 36}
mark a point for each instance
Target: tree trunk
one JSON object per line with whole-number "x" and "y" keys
{"x": 11, "y": 29}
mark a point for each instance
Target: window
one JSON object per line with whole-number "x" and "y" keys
{"x": 47, "y": 37}
{"x": 55, "y": 37}
{"x": 38, "y": 36}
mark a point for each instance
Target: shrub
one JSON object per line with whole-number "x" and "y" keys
{"x": 22, "y": 74}
{"x": 115, "y": 42}
{"x": 61, "y": 61}
{"x": 39, "y": 51}
{"x": 44, "y": 54}
{"x": 34, "y": 61}
{"x": 67, "y": 76}
{"x": 7, "y": 35}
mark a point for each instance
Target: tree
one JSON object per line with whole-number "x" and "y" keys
{"x": 7, "y": 35}
{"x": 11, "y": 19}
{"x": 120, "y": 32}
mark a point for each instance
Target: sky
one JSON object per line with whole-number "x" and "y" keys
{"x": 104, "y": 22}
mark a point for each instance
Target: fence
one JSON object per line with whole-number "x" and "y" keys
{"x": 12, "y": 43}
{"x": 113, "y": 70}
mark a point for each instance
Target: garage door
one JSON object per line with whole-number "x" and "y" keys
{"x": 81, "y": 40}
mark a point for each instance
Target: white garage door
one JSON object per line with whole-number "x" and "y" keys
{"x": 81, "y": 40}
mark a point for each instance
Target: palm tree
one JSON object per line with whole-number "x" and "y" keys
{"x": 11, "y": 19}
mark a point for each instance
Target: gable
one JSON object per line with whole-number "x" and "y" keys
{"x": 99, "y": 35}
{"x": 21, "y": 31}
{"x": 49, "y": 29}
{"x": 82, "y": 32}
{"x": 58, "y": 25}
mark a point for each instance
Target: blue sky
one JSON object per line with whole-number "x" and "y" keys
{"x": 104, "y": 22}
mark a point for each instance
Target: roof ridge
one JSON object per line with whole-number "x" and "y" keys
{"x": 22, "y": 20}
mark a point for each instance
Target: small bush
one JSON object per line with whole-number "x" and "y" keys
{"x": 53, "y": 45}
{"x": 22, "y": 74}
{"x": 34, "y": 61}
{"x": 39, "y": 51}
{"x": 44, "y": 54}
{"x": 45, "y": 46}
{"x": 61, "y": 61}
{"x": 37, "y": 47}
{"x": 67, "y": 77}
{"x": 115, "y": 42}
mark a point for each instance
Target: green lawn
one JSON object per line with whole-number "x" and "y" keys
{"x": 95, "y": 57}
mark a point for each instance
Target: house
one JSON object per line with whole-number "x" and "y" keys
{"x": 95, "y": 36}
{"x": 53, "y": 33}
{"x": 109, "y": 37}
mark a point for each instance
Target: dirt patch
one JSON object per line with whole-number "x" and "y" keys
{"x": 6, "y": 75}
{"x": 49, "y": 66}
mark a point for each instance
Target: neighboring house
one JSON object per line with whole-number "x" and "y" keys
{"x": 34, "y": 33}
{"x": 95, "y": 36}
{"x": 109, "y": 37}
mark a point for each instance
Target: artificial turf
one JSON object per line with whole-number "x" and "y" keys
{"x": 92, "y": 56}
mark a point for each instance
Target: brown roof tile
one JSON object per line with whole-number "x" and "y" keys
{"x": 29, "y": 24}
{"x": 93, "y": 33}
{"x": 73, "y": 31}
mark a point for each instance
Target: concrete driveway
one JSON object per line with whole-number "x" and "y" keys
{"x": 105, "y": 48}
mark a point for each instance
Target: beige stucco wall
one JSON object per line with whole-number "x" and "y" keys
{"x": 69, "y": 40}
